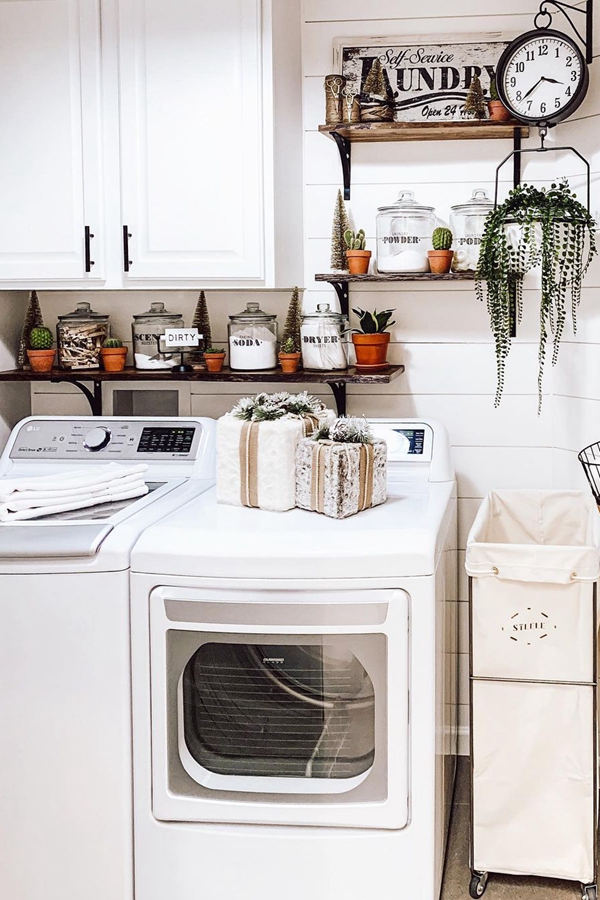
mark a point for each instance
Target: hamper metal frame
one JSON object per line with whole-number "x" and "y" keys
{"x": 479, "y": 879}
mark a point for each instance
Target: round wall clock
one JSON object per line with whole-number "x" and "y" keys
{"x": 542, "y": 77}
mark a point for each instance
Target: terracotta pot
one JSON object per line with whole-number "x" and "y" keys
{"x": 289, "y": 362}
{"x": 41, "y": 360}
{"x": 113, "y": 358}
{"x": 371, "y": 350}
{"x": 214, "y": 361}
{"x": 440, "y": 261}
{"x": 358, "y": 261}
{"x": 498, "y": 111}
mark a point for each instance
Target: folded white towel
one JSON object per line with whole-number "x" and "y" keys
{"x": 30, "y": 498}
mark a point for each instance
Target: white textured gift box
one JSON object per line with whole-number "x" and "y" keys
{"x": 340, "y": 479}
{"x": 256, "y": 461}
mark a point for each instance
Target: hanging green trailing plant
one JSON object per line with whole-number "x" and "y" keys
{"x": 534, "y": 226}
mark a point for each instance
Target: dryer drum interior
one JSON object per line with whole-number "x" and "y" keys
{"x": 279, "y": 711}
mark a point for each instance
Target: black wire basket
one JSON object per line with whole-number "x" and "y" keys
{"x": 589, "y": 458}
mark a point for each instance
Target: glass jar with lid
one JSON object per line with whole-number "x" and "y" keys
{"x": 467, "y": 222}
{"x": 252, "y": 339}
{"x": 323, "y": 337}
{"x": 80, "y": 336}
{"x": 148, "y": 329}
{"x": 404, "y": 232}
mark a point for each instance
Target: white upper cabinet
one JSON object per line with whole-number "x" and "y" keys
{"x": 192, "y": 140}
{"x": 49, "y": 140}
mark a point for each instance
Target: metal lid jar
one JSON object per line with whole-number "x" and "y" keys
{"x": 404, "y": 232}
{"x": 80, "y": 336}
{"x": 467, "y": 222}
{"x": 252, "y": 339}
{"x": 148, "y": 329}
{"x": 323, "y": 338}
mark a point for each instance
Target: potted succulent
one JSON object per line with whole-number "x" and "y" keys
{"x": 358, "y": 258}
{"x": 41, "y": 353}
{"x": 113, "y": 355}
{"x": 371, "y": 340}
{"x": 440, "y": 258}
{"x": 289, "y": 357}
{"x": 214, "y": 359}
{"x": 498, "y": 111}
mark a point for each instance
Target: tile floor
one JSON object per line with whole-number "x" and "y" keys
{"x": 500, "y": 887}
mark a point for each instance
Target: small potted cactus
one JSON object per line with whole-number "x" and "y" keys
{"x": 289, "y": 357}
{"x": 371, "y": 340}
{"x": 114, "y": 355}
{"x": 440, "y": 258}
{"x": 358, "y": 258}
{"x": 214, "y": 359}
{"x": 40, "y": 352}
{"x": 498, "y": 111}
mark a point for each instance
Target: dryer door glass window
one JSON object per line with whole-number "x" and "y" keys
{"x": 279, "y": 711}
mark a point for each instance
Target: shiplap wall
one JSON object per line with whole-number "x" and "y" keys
{"x": 14, "y": 398}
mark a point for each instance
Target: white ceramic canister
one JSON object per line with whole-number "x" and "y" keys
{"x": 148, "y": 329}
{"x": 252, "y": 339}
{"x": 323, "y": 338}
{"x": 467, "y": 222}
{"x": 404, "y": 232}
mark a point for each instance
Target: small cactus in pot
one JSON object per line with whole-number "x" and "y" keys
{"x": 41, "y": 352}
{"x": 440, "y": 258}
{"x": 358, "y": 258}
{"x": 214, "y": 359}
{"x": 113, "y": 355}
{"x": 496, "y": 108}
{"x": 289, "y": 357}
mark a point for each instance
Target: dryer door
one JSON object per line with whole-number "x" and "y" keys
{"x": 282, "y": 717}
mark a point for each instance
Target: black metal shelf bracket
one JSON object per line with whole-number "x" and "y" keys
{"x": 93, "y": 398}
{"x": 543, "y": 19}
{"x": 343, "y": 293}
{"x": 338, "y": 389}
{"x": 345, "y": 149}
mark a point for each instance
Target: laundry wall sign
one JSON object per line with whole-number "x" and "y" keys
{"x": 430, "y": 77}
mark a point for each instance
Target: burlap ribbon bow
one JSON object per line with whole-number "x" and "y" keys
{"x": 248, "y": 450}
{"x": 365, "y": 474}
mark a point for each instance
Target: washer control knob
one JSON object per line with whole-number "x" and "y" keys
{"x": 96, "y": 439}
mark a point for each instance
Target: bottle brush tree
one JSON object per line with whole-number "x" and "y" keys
{"x": 340, "y": 225}
{"x": 475, "y": 105}
{"x": 33, "y": 319}
{"x": 377, "y": 83}
{"x": 293, "y": 321}
{"x": 201, "y": 321}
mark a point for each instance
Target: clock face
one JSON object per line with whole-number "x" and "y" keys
{"x": 542, "y": 77}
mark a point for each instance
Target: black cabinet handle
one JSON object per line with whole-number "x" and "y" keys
{"x": 126, "y": 261}
{"x": 89, "y": 262}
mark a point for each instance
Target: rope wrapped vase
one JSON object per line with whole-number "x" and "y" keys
{"x": 256, "y": 448}
{"x": 341, "y": 470}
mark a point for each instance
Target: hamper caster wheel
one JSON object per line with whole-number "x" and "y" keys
{"x": 479, "y": 883}
{"x": 589, "y": 892}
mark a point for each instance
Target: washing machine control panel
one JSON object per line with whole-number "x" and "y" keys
{"x": 107, "y": 439}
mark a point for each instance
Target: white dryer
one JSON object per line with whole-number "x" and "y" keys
{"x": 65, "y": 705}
{"x": 294, "y": 692}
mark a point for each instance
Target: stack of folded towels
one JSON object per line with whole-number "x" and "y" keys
{"x": 45, "y": 495}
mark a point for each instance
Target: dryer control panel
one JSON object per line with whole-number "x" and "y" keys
{"x": 107, "y": 439}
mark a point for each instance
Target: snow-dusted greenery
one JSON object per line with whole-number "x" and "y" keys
{"x": 345, "y": 430}
{"x": 267, "y": 407}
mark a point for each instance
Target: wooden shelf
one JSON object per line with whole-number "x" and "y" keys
{"x": 336, "y": 277}
{"x": 337, "y": 380}
{"x": 363, "y": 132}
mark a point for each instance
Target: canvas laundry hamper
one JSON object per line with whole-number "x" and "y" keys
{"x": 533, "y": 562}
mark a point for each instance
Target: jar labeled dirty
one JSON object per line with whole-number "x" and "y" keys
{"x": 404, "y": 232}
{"x": 80, "y": 336}
{"x": 148, "y": 329}
{"x": 467, "y": 222}
{"x": 252, "y": 339}
{"x": 323, "y": 338}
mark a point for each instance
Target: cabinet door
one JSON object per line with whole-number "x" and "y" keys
{"x": 191, "y": 138}
{"x": 49, "y": 107}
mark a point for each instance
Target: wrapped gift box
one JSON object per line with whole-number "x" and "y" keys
{"x": 340, "y": 479}
{"x": 256, "y": 460}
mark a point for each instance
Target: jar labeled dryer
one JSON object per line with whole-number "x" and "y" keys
{"x": 252, "y": 339}
{"x": 467, "y": 222}
{"x": 148, "y": 329}
{"x": 80, "y": 336}
{"x": 404, "y": 232}
{"x": 323, "y": 338}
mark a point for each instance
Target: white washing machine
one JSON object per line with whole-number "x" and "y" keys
{"x": 65, "y": 704}
{"x": 294, "y": 693}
